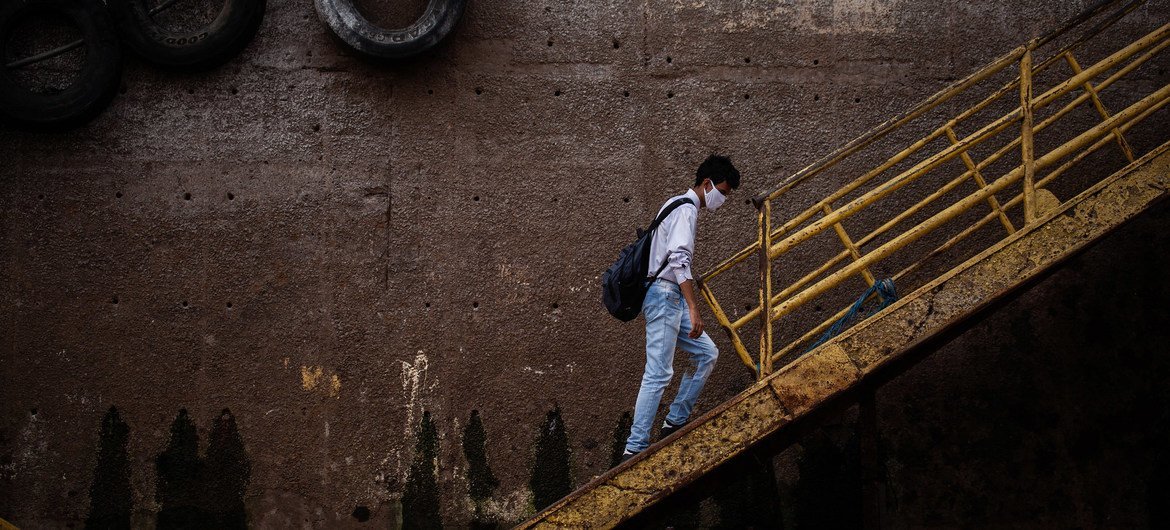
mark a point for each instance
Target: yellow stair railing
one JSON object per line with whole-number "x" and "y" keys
{"x": 902, "y": 211}
{"x": 918, "y": 170}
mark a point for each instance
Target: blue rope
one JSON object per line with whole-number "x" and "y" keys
{"x": 884, "y": 289}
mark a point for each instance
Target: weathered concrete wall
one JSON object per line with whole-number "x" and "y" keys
{"x": 329, "y": 248}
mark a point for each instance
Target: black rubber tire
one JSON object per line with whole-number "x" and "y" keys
{"x": 227, "y": 35}
{"x": 92, "y": 90}
{"x": 364, "y": 37}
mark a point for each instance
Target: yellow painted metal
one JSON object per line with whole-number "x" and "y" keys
{"x": 1027, "y": 151}
{"x": 850, "y": 247}
{"x": 765, "y": 229}
{"x": 5, "y": 525}
{"x": 855, "y": 356}
{"x": 966, "y": 203}
{"x": 974, "y": 170}
{"x": 1076, "y": 68}
{"x": 821, "y": 215}
{"x": 721, "y": 318}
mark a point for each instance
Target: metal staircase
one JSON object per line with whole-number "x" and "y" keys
{"x": 1008, "y": 140}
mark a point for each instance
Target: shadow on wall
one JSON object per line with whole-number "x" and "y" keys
{"x": 109, "y": 497}
{"x": 205, "y": 492}
{"x": 194, "y": 491}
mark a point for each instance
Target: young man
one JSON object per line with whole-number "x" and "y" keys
{"x": 672, "y": 310}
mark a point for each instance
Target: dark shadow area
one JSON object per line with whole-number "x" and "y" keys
{"x": 551, "y": 475}
{"x": 420, "y": 500}
{"x": 481, "y": 482}
{"x": 203, "y": 492}
{"x": 109, "y": 496}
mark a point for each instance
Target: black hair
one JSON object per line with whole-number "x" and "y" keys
{"x": 718, "y": 169}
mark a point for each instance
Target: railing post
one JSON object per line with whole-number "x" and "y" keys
{"x": 1026, "y": 149}
{"x": 765, "y": 234}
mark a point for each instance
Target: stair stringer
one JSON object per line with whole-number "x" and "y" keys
{"x": 858, "y": 353}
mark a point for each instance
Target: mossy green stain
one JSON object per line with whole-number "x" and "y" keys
{"x": 420, "y": 500}
{"x": 551, "y": 477}
{"x": 109, "y": 497}
{"x": 481, "y": 482}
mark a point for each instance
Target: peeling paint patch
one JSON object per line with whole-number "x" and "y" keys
{"x": 314, "y": 378}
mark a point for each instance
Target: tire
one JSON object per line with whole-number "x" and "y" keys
{"x": 93, "y": 88}
{"x": 202, "y": 49}
{"x": 364, "y": 37}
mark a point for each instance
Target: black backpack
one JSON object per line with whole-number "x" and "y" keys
{"x": 624, "y": 285}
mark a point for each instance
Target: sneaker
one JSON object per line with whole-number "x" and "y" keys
{"x": 628, "y": 455}
{"x": 668, "y": 429}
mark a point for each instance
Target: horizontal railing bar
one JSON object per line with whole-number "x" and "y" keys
{"x": 945, "y": 94}
{"x": 936, "y": 220}
{"x": 752, "y": 248}
{"x": 953, "y": 150}
{"x": 1015, "y": 201}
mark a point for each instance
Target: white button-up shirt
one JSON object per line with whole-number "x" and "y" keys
{"x": 674, "y": 240}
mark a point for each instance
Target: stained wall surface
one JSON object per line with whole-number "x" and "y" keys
{"x": 330, "y": 248}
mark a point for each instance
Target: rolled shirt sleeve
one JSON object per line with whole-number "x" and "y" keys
{"x": 680, "y": 245}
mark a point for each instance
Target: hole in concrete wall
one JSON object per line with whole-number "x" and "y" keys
{"x": 118, "y": 194}
{"x": 361, "y": 513}
{"x": 114, "y": 300}
{"x": 626, "y": 93}
{"x": 235, "y": 91}
{"x": 41, "y": 196}
{"x": 669, "y": 60}
{"x": 616, "y": 44}
{"x": 747, "y": 201}
{"x": 556, "y": 92}
{"x": 229, "y": 305}
{"x": 747, "y": 96}
{"x": 475, "y": 305}
{"x": 316, "y": 127}
{"x": 184, "y": 303}
{"x": 857, "y": 100}
{"x": 231, "y": 196}
{"x": 190, "y": 90}
{"x": 555, "y": 305}
{"x": 747, "y": 307}
{"x": 430, "y": 92}
{"x": 625, "y": 199}
{"x": 478, "y": 91}
{"x": 187, "y": 196}
{"x": 670, "y": 94}
{"x": 550, "y": 43}
{"x": 816, "y": 62}
{"x": 428, "y": 304}
{"x": 555, "y": 199}
{"x": 475, "y": 198}
{"x": 33, "y": 412}
{"x": 747, "y": 59}
{"x": 816, "y": 97}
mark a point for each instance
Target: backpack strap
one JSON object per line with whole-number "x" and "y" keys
{"x": 657, "y": 221}
{"x": 666, "y": 212}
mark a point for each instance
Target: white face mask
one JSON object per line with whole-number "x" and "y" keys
{"x": 714, "y": 198}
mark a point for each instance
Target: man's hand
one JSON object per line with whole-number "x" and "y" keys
{"x": 696, "y": 323}
{"x": 688, "y": 291}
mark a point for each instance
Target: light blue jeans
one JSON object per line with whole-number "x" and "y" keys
{"x": 668, "y": 321}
